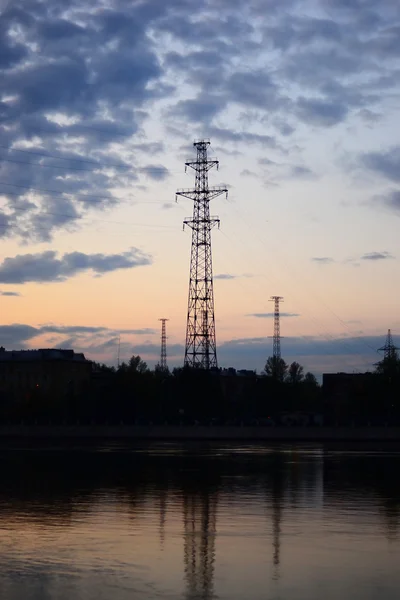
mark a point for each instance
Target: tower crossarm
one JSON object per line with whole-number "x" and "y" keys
{"x": 198, "y": 224}
{"x": 200, "y": 165}
{"x": 203, "y": 195}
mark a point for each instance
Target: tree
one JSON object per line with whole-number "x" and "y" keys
{"x": 137, "y": 365}
{"x": 158, "y": 370}
{"x": 310, "y": 380}
{"x": 275, "y": 368}
{"x": 102, "y": 368}
{"x": 295, "y": 373}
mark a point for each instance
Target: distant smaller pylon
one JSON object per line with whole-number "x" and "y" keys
{"x": 163, "y": 358}
{"x": 389, "y": 349}
{"x": 277, "y": 327}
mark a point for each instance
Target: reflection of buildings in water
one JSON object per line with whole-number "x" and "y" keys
{"x": 298, "y": 476}
{"x": 306, "y": 480}
{"x": 199, "y": 518}
{"x": 391, "y": 517}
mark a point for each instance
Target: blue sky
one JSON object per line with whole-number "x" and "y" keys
{"x": 99, "y": 106}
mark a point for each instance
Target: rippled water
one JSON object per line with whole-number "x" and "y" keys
{"x": 200, "y": 522}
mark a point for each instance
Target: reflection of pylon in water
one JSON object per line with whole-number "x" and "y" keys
{"x": 199, "y": 516}
{"x": 163, "y": 516}
{"x": 277, "y": 498}
{"x": 276, "y": 541}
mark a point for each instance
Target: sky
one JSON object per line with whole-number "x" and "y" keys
{"x": 100, "y": 103}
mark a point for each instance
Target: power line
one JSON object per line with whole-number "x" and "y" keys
{"x": 120, "y": 200}
{"x": 323, "y": 332}
{"x": 61, "y": 193}
{"x": 80, "y": 217}
{"x": 48, "y": 155}
{"x": 323, "y": 303}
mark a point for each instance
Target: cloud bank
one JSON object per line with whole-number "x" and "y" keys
{"x": 47, "y": 267}
{"x": 79, "y": 88}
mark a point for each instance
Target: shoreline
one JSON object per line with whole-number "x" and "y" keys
{"x": 182, "y": 433}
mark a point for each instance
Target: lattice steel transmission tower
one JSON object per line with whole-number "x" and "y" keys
{"x": 163, "y": 358}
{"x": 389, "y": 349}
{"x": 200, "y": 348}
{"x": 277, "y": 327}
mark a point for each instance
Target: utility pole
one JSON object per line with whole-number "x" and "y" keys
{"x": 277, "y": 327}
{"x": 163, "y": 358}
{"x": 200, "y": 347}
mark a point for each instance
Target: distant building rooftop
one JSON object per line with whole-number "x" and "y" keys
{"x": 42, "y": 354}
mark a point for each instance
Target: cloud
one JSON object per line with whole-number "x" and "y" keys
{"x": 83, "y": 329}
{"x": 385, "y": 163}
{"x": 82, "y": 88}
{"x": 198, "y": 109}
{"x": 323, "y": 260}
{"x": 100, "y": 343}
{"x": 229, "y": 135}
{"x": 225, "y": 276}
{"x": 73, "y": 87}
{"x": 18, "y": 334}
{"x": 316, "y": 111}
{"x": 156, "y": 172}
{"x": 390, "y": 200}
{"x": 46, "y": 267}
{"x": 228, "y": 276}
{"x": 248, "y": 173}
{"x": 377, "y": 256}
{"x": 14, "y": 294}
{"x": 270, "y": 315}
{"x": 301, "y": 172}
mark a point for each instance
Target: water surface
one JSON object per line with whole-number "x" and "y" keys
{"x": 203, "y": 521}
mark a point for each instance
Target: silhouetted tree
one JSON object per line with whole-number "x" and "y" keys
{"x": 135, "y": 365}
{"x": 159, "y": 371}
{"x": 276, "y": 368}
{"x": 310, "y": 379}
{"x": 295, "y": 373}
{"x": 102, "y": 368}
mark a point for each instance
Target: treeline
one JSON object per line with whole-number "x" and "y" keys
{"x": 135, "y": 394}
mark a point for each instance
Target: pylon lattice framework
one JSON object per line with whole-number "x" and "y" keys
{"x": 200, "y": 347}
{"x": 277, "y": 327}
{"x": 163, "y": 358}
{"x": 389, "y": 349}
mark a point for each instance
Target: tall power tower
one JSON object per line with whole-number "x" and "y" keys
{"x": 389, "y": 349}
{"x": 277, "y": 327}
{"x": 163, "y": 358}
{"x": 200, "y": 348}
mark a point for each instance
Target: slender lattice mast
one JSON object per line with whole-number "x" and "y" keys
{"x": 200, "y": 349}
{"x": 277, "y": 327}
{"x": 163, "y": 358}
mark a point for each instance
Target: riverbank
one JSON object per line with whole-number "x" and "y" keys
{"x": 96, "y": 432}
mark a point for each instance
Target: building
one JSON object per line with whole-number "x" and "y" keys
{"x": 345, "y": 394}
{"x": 50, "y": 373}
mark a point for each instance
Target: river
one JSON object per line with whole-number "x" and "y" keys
{"x": 200, "y": 521}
